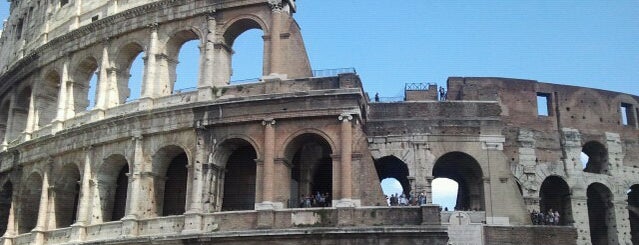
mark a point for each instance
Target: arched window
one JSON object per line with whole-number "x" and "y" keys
{"x": 183, "y": 61}
{"x": 20, "y": 114}
{"x": 597, "y": 158}
{"x": 555, "y": 195}
{"x": 601, "y": 215}
{"x": 250, "y": 52}
{"x": 311, "y": 171}
{"x": 633, "y": 211}
{"x": 237, "y": 159}
{"x": 171, "y": 188}
{"x": 47, "y": 105}
{"x": 4, "y": 119}
{"x": 29, "y": 203}
{"x": 6, "y": 197}
{"x": 84, "y": 90}
{"x": 130, "y": 72}
{"x": 392, "y": 171}
{"x": 67, "y": 194}
{"x": 113, "y": 185}
{"x": 465, "y": 170}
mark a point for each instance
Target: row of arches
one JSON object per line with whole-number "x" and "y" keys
{"x": 554, "y": 193}
{"x": 311, "y": 171}
{"x": 95, "y": 78}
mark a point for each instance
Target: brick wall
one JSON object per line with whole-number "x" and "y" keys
{"x": 542, "y": 235}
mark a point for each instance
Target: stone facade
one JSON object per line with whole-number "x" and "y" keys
{"x": 229, "y": 163}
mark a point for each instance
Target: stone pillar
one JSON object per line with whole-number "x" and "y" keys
{"x": 134, "y": 198}
{"x": 275, "y": 41}
{"x": 31, "y": 118}
{"x": 8, "y": 132}
{"x": 429, "y": 189}
{"x": 104, "y": 83}
{"x": 43, "y": 212}
{"x": 165, "y": 74}
{"x": 79, "y": 228}
{"x": 222, "y": 63}
{"x": 268, "y": 167}
{"x": 150, "y": 69}
{"x": 62, "y": 98}
{"x": 205, "y": 83}
{"x": 11, "y": 225}
{"x": 346, "y": 141}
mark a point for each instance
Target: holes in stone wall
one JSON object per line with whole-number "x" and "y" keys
{"x": 596, "y": 158}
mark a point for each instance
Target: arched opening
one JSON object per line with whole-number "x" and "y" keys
{"x": 633, "y": 211}
{"x": 170, "y": 163}
{"x": 113, "y": 184}
{"x": 6, "y": 196}
{"x": 67, "y": 193}
{"x": 601, "y": 215}
{"x": 465, "y": 170}
{"x": 130, "y": 72}
{"x": 246, "y": 64}
{"x": 84, "y": 90}
{"x": 183, "y": 64}
{"x": 445, "y": 193}
{"x": 20, "y": 113}
{"x": 554, "y": 195}
{"x": 391, "y": 188}
{"x": 391, "y": 168}
{"x": 311, "y": 171}
{"x": 239, "y": 186}
{"x": 597, "y": 157}
{"x": 245, "y": 49}
{"x": 4, "y": 119}
{"x": 29, "y": 203}
{"x": 48, "y": 99}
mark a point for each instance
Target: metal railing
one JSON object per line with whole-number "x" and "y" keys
{"x": 417, "y": 86}
{"x": 333, "y": 72}
{"x": 183, "y": 90}
{"x": 388, "y": 99}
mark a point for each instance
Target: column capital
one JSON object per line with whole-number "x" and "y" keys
{"x": 153, "y": 27}
{"x": 137, "y": 137}
{"x": 106, "y": 41}
{"x": 276, "y": 5}
{"x": 268, "y": 121}
{"x": 345, "y": 117}
{"x": 211, "y": 15}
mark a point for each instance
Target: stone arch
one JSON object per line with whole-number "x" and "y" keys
{"x": 554, "y": 194}
{"x": 124, "y": 59}
{"x": 597, "y": 157}
{"x": 310, "y": 158}
{"x": 233, "y": 29}
{"x": 81, "y": 75}
{"x": 67, "y": 195}
{"x": 6, "y": 198}
{"x": 173, "y": 50}
{"x": 20, "y": 113}
{"x": 237, "y": 158}
{"x": 170, "y": 164}
{"x": 467, "y": 172}
{"x": 29, "y": 203}
{"x": 601, "y": 214}
{"x": 633, "y": 211}
{"x": 393, "y": 167}
{"x": 284, "y": 151}
{"x": 47, "y": 100}
{"x": 113, "y": 184}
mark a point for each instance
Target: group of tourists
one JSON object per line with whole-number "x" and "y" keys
{"x": 317, "y": 200}
{"x": 548, "y": 218}
{"x": 406, "y": 200}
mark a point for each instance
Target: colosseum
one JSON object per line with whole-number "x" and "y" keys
{"x": 228, "y": 163}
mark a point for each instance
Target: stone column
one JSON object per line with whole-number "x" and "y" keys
{"x": 79, "y": 228}
{"x": 268, "y": 167}
{"x": 11, "y": 225}
{"x": 104, "y": 83}
{"x": 346, "y": 141}
{"x": 31, "y": 118}
{"x": 134, "y": 205}
{"x": 275, "y": 42}
{"x": 62, "y": 98}
{"x": 43, "y": 212}
{"x": 205, "y": 83}
{"x": 150, "y": 69}
{"x": 193, "y": 214}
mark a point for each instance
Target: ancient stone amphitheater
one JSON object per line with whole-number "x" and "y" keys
{"x": 227, "y": 163}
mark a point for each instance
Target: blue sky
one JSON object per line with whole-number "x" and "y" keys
{"x": 582, "y": 43}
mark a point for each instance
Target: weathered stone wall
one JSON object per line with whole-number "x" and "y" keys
{"x": 533, "y": 235}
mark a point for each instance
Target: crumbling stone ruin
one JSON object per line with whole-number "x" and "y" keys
{"x": 227, "y": 163}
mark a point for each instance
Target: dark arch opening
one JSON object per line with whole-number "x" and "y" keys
{"x": 597, "y": 157}
{"x": 171, "y": 163}
{"x": 4, "y": 119}
{"x": 29, "y": 204}
{"x": 311, "y": 171}
{"x": 113, "y": 186}
{"x": 393, "y": 167}
{"x": 239, "y": 179}
{"x": 6, "y": 196}
{"x": 175, "y": 186}
{"x": 601, "y": 215}
{"x": 633, "y": 211}
{"x": 19, "y": 120}
{"x": 465, "y": 170}
{"x": 67, "y": 193}
{"x": 555, "y": 195}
